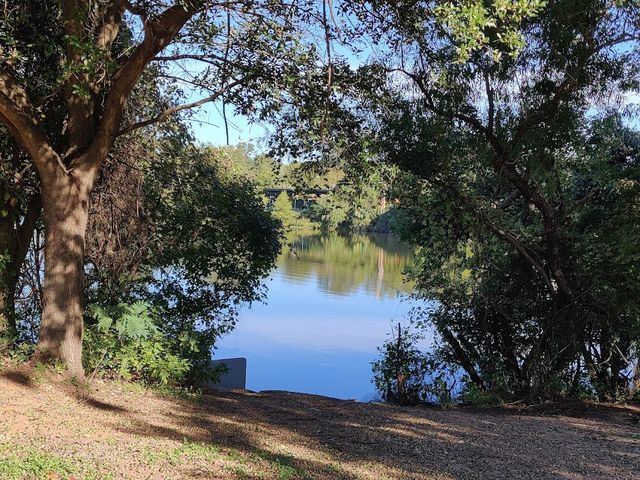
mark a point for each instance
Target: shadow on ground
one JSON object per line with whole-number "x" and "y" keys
{"x": 412, "y": 442}
{"x": 319, "y": 437}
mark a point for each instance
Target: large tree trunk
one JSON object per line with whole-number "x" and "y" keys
{"x": 66, "y": 211}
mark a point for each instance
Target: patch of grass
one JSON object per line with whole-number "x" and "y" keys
{"x": 180, "y": 392}
{"x": 202, "y": 450}
{"x": 23, "y": 463}
{"x": 283, "y": 464}
{"x": 241, "y": 472}
{"x": 130, "y": 386}
{"x": 187, "y": 450}
{"x": 242, "y": 465}
{"x": 151, "y": 457}
{"x": 335, "y": 468}
{"x": 183, "y": 393}
{"x": 235, "y": 456}
{"x": 34, "y": 465}
{"x": 39, "y": 372}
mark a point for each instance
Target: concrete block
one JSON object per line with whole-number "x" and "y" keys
{"x": 235, "y": 376}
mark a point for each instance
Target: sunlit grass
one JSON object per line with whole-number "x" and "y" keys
{"x": 243, "y": 464}
{"x": 19, "y": 462}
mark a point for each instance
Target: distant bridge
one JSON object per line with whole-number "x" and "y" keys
{"x": 301, "y": 198}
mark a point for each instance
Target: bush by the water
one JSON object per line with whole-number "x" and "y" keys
{"x": 406, "y": 376}
{"x": 125, "y": 342}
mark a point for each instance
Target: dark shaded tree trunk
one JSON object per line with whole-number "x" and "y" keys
{"x": 66, "y": 211}
{"x": 7, "y": 308}
{"x": 608, "y": 372}
{"x": 462, "y": 357}
{"x": 7, "y": 317}
{"x": 14, "y": 244}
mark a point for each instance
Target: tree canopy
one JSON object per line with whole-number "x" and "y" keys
{"x": 525, "y": 193}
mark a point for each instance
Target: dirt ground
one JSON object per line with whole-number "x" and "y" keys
{"x": 54, "y": 430}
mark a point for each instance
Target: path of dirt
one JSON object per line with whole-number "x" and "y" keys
{"x": 111, "y": 430}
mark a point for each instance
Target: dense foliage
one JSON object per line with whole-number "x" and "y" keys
{"x": 400, "y": 373}
{"x": 211, "y": 243}
{"x": 406, "y": 375}
{"x": 125, "y": 342}
{"x": 525, "y": 194}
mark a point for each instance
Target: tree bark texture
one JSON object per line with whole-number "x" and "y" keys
{"x": 66, "y": 211}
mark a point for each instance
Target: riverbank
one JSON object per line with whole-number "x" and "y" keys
{"x": 112, "y": 430}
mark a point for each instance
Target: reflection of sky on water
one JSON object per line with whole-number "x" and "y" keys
{"x": 309, "y": 339}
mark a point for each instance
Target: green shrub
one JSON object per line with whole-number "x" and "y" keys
{"x": 124, "y": 342}
{"x": 399, "y": 374}
{"x": 406, "y": 376}
{"x": 20, "y": 352}
{"x": 21, "y": 462}
{"x": 392, "y": 220}
{"x": 474, "y": 396}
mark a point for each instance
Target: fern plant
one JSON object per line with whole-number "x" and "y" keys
{"x": 125, "y": 342}
{"x": 131, "y": 322}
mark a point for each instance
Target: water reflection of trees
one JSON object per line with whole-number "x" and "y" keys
{"x": 345, "y": 264}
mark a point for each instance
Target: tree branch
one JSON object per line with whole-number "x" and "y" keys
{"x": 80, "y": 106}
{"x": 500, "y": 159}
{"x": 25, "y": 231}
{"x": 158, "y": 34}
{"x": 137, "y": 10}
{"x": 462, "y": 356}
{"x": 490, "y": 101}
{"x": 18, "y": 115}
{"x": 522, "y": 249}
{"x": 568, "y": 85}
{"x": 507, "y": 236}
{"x": 177, "y": 108}
{"x": 562, "y": 90}
{"x": 509, "y": 199}
{"x": 111, "y": 19}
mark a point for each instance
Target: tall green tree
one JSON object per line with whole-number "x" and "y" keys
{"x": 245, "y": 53}
{"x": 515, "y": 147}
{"x": 282, "y": 209}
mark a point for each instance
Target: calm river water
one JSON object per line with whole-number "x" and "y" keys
{"x": 331, "y": 302}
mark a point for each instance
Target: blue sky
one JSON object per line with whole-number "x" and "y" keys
{"x": 208, "y": 127}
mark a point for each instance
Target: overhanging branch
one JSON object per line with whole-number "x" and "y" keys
{"x": 18, "y": 115}
{"x": 158, "y": 34}
{"x": 177, "y": 108}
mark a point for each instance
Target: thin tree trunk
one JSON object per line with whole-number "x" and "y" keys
{"x": 462, "y": 357}
{"x": 7, "y": 310}
{"x": 16, "y": 244}
{"x": 66, "y": 211}
{"x": 7, "y": 284}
